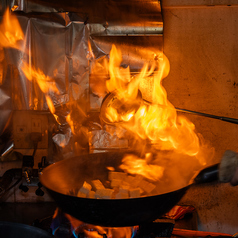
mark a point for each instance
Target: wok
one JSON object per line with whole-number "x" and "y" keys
{"x": 69, "y": 174}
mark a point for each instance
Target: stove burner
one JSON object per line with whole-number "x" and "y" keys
{"x": 66, "y": 226}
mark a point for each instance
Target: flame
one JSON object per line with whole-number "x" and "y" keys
{"x": 10, "y": 36}
{"x": 70, "y": 122}
{"x": 134, "y": 165}
{"x": 120, "y": 81}
{"x": 94, "y": 231}
{"x": 10, "y": 31}
{"x": 90, "y": 54}
{"x": 45, "y": 83}
{"x": 156, "y": 121}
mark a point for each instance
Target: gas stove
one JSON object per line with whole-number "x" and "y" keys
{"x": 48, "y": 218}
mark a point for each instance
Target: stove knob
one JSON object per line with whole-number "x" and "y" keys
{"x": 39, "y": 192}
{"x": 23, "y": 188}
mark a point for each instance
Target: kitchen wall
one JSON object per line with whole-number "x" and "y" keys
{"x": 201, "y": 43}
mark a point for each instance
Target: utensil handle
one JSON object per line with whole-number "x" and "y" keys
{"x": 226, "y": 119}
{"x": 207, "y": 175}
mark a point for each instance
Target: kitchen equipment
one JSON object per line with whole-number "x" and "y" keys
{"x": 69, "y": 174}
{"x": 113, "y": 101}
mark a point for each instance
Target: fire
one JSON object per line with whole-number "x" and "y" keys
{"x": 94, "y": 231}
{"x": 10, "y": 36}
{"x": 134, "y": 165}
{"x": 156, "y": 121}
{"x": 90, "y": 54}
{"x": 70, "y": 122}
{"x": 45, "y": 83}
{"x": 120, "y": 81}
{"x": 10, "y": 31}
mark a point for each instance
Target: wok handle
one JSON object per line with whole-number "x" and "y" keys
{"x": 207, "y": 175}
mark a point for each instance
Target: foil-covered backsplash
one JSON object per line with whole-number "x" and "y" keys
{"x": 63, "y": 40}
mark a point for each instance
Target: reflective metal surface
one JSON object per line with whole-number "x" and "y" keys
{"x": 57, "y": 36}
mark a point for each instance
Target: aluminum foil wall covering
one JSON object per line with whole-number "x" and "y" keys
{"x": 63, "y": 46}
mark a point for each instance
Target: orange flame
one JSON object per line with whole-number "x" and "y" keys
{"x": 10, "y": 34}
{"x": 10, "y": 31}
{"x": 134, "y": 165}
{"x": 94, "y": 231}
{"x": 45, "y": 83}
{"x": 157, "y": 121}
{"x": 120, "y": 81}
{"x": 70, "y": 122}
{"x": 90, "y": 54}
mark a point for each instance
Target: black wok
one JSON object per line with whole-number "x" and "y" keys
{"x": 69, "y": 174}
